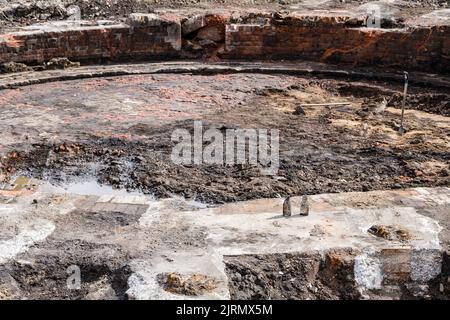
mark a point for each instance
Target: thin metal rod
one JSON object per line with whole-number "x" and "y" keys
{"x": 325, "y": 104}
{"x": 405, "y": 90}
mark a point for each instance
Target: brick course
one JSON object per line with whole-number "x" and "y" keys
{"x": 315, "y": 38}
{"x": 418, "y": 48}
{"x": 143, "y": 36}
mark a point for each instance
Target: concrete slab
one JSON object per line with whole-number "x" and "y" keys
{"x": 189, "y": 239}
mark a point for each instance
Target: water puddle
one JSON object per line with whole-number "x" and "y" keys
{"x": 82, "y": 187}
{"x": 88, "y": 187}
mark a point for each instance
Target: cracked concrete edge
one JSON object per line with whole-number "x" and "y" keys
{"x": 423, "y": 260}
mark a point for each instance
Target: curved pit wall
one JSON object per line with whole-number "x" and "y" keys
{"x": 294, "y": 36}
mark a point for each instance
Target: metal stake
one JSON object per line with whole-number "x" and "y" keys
{"x": 402, "y": 130}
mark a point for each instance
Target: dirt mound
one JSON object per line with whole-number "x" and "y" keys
{"x": 292, "y": 276}
{"x": 434, "y": 103}
{"x": 103, "y": 271}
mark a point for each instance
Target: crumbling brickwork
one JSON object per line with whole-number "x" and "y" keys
{"x": 420, "y": 48}
{"x": 337, "y": 39}
{"x": 143, "y": 36}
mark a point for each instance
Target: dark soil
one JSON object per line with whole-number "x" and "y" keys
{"x": 140, "y": 168}
{"x": 292, "y": 276}
{"x": 311, "y": 276}
{"x": 103, "y": 271}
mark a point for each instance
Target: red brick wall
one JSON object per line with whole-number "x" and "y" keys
{"x": 421, "y": 48}
{"x": 143, "y": 36}
{"x": 317, "y": 38}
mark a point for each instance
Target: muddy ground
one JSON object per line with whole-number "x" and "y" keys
{"x": 118, "y": 130}
{"x": 104, "y": 269}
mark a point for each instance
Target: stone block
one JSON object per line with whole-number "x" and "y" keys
{"x": 193, "y": 23}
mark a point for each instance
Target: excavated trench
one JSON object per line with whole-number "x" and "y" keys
{"x": 94, "y": 133}
{"x": 305, "y": 276}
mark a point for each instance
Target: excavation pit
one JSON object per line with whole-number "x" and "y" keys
{"x": 88, "y": 179}
{"x": 98, "y": 152}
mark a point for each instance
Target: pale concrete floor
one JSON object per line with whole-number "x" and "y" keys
{"x": 175, "y": 235}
